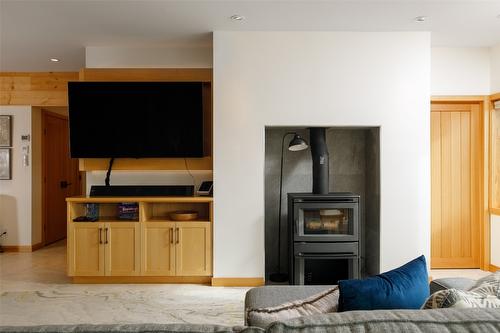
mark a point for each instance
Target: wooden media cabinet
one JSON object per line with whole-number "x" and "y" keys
{"x": 153, "y": 248}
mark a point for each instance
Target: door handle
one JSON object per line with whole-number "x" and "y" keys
{"x": 338, "y": 255}
{"x": 171, "y": 235}
{"x": 177, "y": 234}
{"x": 100, "y": 236}
{"x": 106, "y": 234}
{"x": 64, "y": 184}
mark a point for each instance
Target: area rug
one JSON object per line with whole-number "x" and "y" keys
{"x": 109, "y": 304}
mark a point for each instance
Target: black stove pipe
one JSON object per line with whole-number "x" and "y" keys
{"x": 319, "y": 152}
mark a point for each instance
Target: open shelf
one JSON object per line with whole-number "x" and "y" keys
{"x": 108, "y": 212}
{"x": 160, "y": 211}
{"x": 151, "y": 209}
{"x": 167, "y": 219}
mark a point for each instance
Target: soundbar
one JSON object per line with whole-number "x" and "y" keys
{"x": 142, "y": 191}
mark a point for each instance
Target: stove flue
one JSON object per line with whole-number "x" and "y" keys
{"x": 320, "y": 159}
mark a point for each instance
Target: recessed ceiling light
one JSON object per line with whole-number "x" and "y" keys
{"x": 420, "y": 18}
{"x": 237, "y": 17}
{"x": 54, "y": 59}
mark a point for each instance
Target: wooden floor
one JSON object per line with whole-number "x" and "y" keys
{"x": 466, "y": 273}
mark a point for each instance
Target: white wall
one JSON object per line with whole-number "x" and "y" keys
{"x": 15, "y": 194}
{"x": 149, "y": 57}
{"x": 319, "y": 79}
{"x": 460, "y": 71}
{"x": 495, "y": 69}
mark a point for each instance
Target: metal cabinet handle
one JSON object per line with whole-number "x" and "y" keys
{"x": 177, "y": 232}
{"x": 171, "y": 235}
{"x": 106, "y": 234}
{"x": 100, "y": 236}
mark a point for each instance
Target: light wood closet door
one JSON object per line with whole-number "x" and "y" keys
{"x": 455, "y": 182}
{"x": 158, "y": 248}
{"x": 122, "y": 241}
{"x": 85, "y": 249}
{"x": 193, "y": 249}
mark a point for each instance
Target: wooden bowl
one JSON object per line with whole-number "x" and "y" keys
{"x": 184, "y": 215}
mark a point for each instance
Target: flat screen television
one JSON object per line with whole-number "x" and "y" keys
{"x": 135, "y": 119}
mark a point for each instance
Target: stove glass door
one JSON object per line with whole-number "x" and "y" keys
{"x": 326, "y": 222}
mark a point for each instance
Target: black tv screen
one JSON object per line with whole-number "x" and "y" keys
{"x": 135, "y": 119}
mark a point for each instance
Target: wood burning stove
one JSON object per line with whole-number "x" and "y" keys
{"x": 324, "y": 227}
{"x": 324, "y": 237}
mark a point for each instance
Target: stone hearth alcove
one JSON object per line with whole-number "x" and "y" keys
{"x": 354, "y": 156}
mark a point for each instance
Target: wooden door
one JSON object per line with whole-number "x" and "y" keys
{"x": 61, "y": 176}
{"x": 122, "y": 241}
{"x": 158, "y": 249}
{"x": 86, "y": 249}
{"x": 193, "y": 249}
{"x": 456, "y": 166}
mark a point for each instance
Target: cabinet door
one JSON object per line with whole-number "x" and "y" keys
{"x": 122, "y": 242}
{"x": 158, "y": 249}
{"x": 85, "y": 249}
{"x": 193, "y": 249}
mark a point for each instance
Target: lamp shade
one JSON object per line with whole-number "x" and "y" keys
{"x": 297, "y": 143}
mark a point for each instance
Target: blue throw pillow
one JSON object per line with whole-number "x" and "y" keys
{"x": 406, "y": 287}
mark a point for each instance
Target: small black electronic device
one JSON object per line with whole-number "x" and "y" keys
{"x": 206, "y": 188}
{"x": 142, "y": 191}
{"x": 85, "y": 219}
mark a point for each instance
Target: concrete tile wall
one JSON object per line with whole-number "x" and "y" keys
{"x": 354, "y": 167}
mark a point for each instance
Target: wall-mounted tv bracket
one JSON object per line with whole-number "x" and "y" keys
{"x": 108, "y": 174}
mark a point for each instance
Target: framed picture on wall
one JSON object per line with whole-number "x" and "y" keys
{"x": 5, "y": 131}
{"x": 5, "y": 165}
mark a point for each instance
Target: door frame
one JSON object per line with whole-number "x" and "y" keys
{"x": 44, "y": 218}
{"x": 484, "y": 172}
{"x": 493, "y": 210}
{"x": 493, "y": 98}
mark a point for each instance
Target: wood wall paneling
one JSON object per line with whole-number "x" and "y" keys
{"x": 146, "y": 74}
{"x": 89, "y": 164}
{"x": 22, "y": 248}
{"x": 35, "y": 88}
{"x": 159, "y": 75}
{"x": 49, "y": 89}
{"x": 238, "y": 282}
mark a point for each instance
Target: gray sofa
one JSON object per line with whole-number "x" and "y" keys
{"x": 438, "y": 320}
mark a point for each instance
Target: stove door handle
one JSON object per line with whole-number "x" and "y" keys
{"x": 328, "y": 255}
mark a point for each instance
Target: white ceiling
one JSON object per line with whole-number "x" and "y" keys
{"x": 31, "y": 32}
